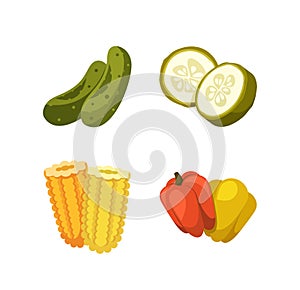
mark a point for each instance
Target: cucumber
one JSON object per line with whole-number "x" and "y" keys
{"x": 182, "y": 71}
{"x": 65, "y": 108}
{"x": 106, "y": 97}
{"x": 226, "y": 94}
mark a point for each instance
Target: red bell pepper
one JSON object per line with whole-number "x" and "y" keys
{"x": 188, "y": 201}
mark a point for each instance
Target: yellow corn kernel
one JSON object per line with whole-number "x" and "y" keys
{"x": 103, "y": 218}
{"x": 90, "y": 209}
{"x": 118, "y": 212}
{"x": 104, "y": 207}
{"x": 66, "y": 196}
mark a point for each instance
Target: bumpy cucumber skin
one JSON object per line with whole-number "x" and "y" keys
{"x": 242, "y": 107}
{"x": 65, "y": 108}
{"x": 106, "y": 97}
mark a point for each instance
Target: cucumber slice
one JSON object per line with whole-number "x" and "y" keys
{"x": 182, "y": 71}
{"x": 226, "y": 94}
{"x": 106, "y": 97}
{"x": 65, "y": 108}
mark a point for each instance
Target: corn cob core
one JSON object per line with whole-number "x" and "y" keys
{"x": 104, "y": 207}
{"x": 109, "y": 173}
{"x": 65, "y": 169}
{"x": 64, "y": 182}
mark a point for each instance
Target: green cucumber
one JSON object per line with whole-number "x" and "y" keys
{"x": 106, "y": 97}
{"x": 226, "y": 94}
{"x": 65, "y": 108}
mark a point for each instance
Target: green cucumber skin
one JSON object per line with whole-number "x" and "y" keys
{"x": 106, "y": 97}
{"x": 65, "y": 108}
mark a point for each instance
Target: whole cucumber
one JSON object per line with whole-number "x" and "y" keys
{"x": 106, "y": 97}
{"x": 65, "y": 108}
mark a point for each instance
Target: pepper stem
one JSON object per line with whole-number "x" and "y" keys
{"x": 178, "y": 178}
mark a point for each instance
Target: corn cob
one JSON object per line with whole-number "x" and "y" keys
{"x": 104, "y": 207}
{"x": 118, "y": 212}
{"x": 64, "y": 182}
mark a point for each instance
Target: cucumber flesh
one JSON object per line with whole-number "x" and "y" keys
{"x": 226, "y": 94}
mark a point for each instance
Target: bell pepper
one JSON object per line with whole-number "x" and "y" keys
{"x": 234, "y": 205}
{"x": 188, "y": 201}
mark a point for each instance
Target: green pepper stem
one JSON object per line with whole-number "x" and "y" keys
{"x": 178, "y": 178}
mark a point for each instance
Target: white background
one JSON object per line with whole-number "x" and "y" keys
{"x": 45, "y": 49}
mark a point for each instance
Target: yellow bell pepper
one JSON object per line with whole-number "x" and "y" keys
{"x": 234, "y": 206}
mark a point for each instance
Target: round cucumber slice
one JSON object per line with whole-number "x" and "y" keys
{"x": 226, "y": 94}
{"x": 182, "y": 71}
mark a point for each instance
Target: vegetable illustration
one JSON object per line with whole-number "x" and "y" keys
{"x": 226, "y": 94}
{"x": 188, "y": 201}
{"x": 193, "y": 207}
{"x": 66, "y": 196}
{"x": 182, "y": 71}
{"x": 104, "y": 207}
{"x": 89, "y": 204}
{"x": 97, "y": 96}
{"x": 106, "y": 97}
{"x": 65, "y": 108}
{"x": 234, "y": 206}
{"x": 223, "y": 94}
